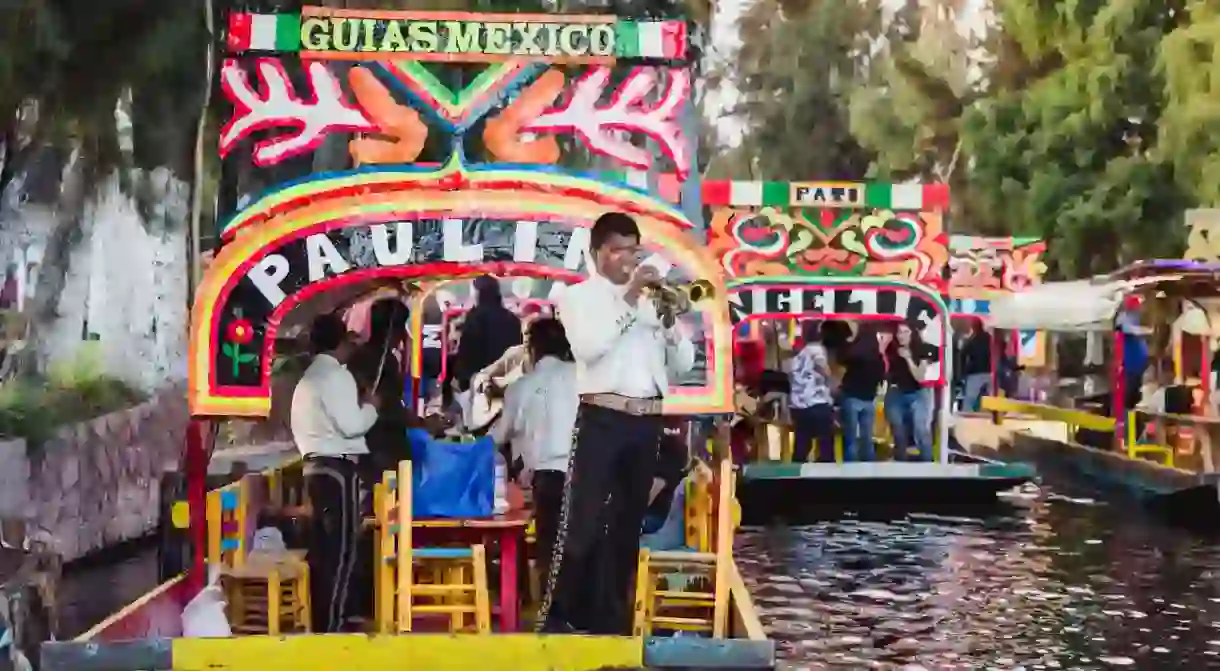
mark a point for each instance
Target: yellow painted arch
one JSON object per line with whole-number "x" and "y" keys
{"x": 339, "y": 200}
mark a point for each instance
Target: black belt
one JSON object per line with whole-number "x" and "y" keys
{"x": 349, "y": 458}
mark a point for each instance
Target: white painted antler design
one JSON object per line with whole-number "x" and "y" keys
{"x": 278, "y": 106}
{"x": 595, "y": 124}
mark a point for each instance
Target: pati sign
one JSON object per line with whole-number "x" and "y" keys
{"x": 827, "y": 194}
{"x": 339, "y": 34}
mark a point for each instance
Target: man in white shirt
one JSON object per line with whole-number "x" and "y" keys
{"x": 538, "y": 418}
{"x": 625, "y": 354}
{"x": 328, "y": 425}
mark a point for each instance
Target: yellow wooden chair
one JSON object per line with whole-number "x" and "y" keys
{"x": 227, "y": 519}
{"x": 266, "y": 594}
{"x": 1141, "y": 450}
{"x": 286, "y": 485}
{"x": 698, "y": 512}
{"x": 413, "y": 581}
{"x": 702, "y": 603}
{"x": 269, "y": 594}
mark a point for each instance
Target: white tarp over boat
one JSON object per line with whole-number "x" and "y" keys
{"x": 1078, "y": 306}
{"x": 1199, "y": 321}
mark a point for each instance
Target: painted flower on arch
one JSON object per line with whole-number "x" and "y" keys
{"x": 240, "y": 331}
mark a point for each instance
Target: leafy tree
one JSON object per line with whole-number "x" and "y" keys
{"x": 1189, "y": 129}
{"x": 798, "y": 63}
{"x": 1071, "y": 155}
{"x": 68, "y": 68}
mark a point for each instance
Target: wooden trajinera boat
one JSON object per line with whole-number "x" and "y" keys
{"x": 484, "y": 195}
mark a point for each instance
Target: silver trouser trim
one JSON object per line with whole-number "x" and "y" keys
{"x": 561, "y": 537}
{"x": 349, "y": 508}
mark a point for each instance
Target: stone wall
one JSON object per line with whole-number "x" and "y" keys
{"x": 95, "y": 484}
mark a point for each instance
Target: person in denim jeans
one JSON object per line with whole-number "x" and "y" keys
{"x": 908, "y": 404}
{"x": 863, "y": 372}
{"x": 976, "y": 367}
{"x": 810, "y": 402}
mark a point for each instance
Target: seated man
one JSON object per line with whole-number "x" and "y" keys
{"x": 673, "y": 463}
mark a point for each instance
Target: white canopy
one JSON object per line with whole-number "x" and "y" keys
{"x": 1199, "y": 321}
{"x": 1079, "y": 306}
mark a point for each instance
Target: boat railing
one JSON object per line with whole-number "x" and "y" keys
{"x": 1185, "y": 442}
{"x": 1073, "y": 420}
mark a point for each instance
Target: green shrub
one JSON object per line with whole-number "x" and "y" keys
{"x": 72, "y": 391}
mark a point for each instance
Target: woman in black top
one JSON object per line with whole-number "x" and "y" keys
{"x": 908, "y": 404}
{"x": 976, "y": 367}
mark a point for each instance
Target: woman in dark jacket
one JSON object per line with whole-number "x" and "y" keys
{"x": 489, "y": 330}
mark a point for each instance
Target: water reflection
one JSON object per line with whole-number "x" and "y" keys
{"x": 1048, "y": 582}
{"x": 93, "y": 590}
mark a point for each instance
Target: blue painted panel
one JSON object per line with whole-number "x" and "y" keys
{"x": 707, "y": 653}
{"x": 228, "y": 500}
{"x": 443, "y": 553}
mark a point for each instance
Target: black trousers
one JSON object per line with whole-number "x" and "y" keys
{"x": 334, "y": 494}
{"x": 548, "y": 508}
{"x": 815, "y": 423}
{"x": 610, "y": 474}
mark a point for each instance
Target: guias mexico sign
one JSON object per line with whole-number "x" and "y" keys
{"x": 337, "y": 34}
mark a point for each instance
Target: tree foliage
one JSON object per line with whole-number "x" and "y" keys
{"x": 1091, "y": 123}
{"x": 796, "y": 68}
{"x": 1072, "y": 154}
{"x": 1189, "y": 130}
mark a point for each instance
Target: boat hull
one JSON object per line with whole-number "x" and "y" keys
{"x": 146, "y": 635}
{"x": 1178, "y": 496}
{"x": 768, "y": 490}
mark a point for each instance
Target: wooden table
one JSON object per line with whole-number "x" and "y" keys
{"x": 508, "y": 530}
{"x": 1206, "y": 431}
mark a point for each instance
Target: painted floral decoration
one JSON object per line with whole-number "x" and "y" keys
{"x": 239, "y": 332}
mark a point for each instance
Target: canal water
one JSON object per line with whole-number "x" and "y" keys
{"x": 1049, "y": 579}
{"x": 1042, "y": 581}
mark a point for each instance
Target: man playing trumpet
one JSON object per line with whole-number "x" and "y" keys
{"x": 625, "y": 353}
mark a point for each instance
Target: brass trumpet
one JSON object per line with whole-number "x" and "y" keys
{"x": 675, "y": 300}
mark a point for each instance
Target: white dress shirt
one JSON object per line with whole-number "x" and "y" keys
{"x": 539, "y": 416}
{"x": 327, "y": 418}
{"x": 620, "y": 349}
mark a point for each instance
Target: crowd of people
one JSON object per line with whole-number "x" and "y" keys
{"x": 579, "y": 421}
{"x": 828, "y": 383}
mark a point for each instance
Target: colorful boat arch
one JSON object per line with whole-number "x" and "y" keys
{"x": 402, "y": 222}
{"x": 849, "y": 298}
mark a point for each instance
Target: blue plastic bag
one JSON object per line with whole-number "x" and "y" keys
{"x": 451, "y": 479}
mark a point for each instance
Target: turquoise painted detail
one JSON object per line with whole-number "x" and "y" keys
{"x": 227, "y": 544}
{"x": 443, "y": 553}
{"x": 1016, "y": 469}
{"x": 228, "y": 500}
{"x": 770, "y": 471}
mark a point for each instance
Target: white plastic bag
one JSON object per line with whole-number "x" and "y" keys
{"x": 204, "y": 616}
{"x": 269, "y": 540}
